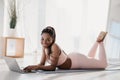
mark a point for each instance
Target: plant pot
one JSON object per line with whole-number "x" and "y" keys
{"x": 12, "y": 32}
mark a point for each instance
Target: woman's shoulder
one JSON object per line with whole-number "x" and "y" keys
{"x": 55, "y": 46}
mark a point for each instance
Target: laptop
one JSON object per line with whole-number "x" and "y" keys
{"x": 14, "y": 66}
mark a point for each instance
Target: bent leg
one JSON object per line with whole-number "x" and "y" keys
{"x": 93, "y": 50}
{"x": 102, "y": 55}
{"x": 82, "y": 61}
{"x": 101, "y": 62}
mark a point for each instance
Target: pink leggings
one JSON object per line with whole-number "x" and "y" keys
{"x": 82, "y": 61}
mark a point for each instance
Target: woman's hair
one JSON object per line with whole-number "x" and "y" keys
{"x": 51, "y": 31}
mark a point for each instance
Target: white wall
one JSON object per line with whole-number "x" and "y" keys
{"x": 34, "y": 21}
{"x": 41, "y": 20}
{"x": 77, "y": 22}
{"x": 1, "y": 15}
{"x": 1, "y": 22}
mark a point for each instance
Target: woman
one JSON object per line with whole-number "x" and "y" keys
{"x": 53, "y": 54}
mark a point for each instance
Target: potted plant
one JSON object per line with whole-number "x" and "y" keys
{"x": 12, "y": 14}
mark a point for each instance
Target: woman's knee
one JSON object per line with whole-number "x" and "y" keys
{"x": 104, "y": 65}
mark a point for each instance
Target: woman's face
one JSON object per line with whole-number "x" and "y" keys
{"x": 46, "y": 40}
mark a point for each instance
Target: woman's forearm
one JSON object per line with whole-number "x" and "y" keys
{"x": 46, "y": 68}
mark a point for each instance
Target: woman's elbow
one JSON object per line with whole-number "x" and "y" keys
{"x": 52, "y": 68}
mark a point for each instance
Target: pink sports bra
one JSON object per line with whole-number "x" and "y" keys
{"x": 61, "y": 60}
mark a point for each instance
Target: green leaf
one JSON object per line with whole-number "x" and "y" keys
{"x": 13, "y": 23}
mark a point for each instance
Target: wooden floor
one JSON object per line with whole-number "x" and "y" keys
{"x": 112, "y": 72}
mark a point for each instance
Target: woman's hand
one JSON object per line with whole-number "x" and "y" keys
{"x": 30, "y": 68}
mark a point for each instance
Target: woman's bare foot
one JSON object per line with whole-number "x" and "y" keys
{"x": 101, "y": 36}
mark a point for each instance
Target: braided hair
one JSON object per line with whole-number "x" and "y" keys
{"x": 51, "y": 31}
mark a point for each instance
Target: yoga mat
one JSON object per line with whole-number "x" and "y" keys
{"x": 113, "y": 67}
